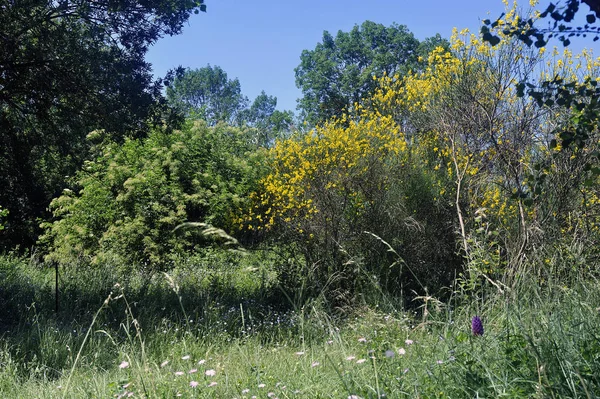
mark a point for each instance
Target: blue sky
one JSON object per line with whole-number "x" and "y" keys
{"x": 260, "y": 42}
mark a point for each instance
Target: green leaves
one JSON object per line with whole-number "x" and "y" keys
{"x": 134, "y": 196}
{"x": 67, "y": 68}
{"x": 207, "y": 93}
{"x": 339, "y": 72}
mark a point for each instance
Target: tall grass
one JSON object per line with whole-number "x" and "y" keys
{"x": 215, "y": 330}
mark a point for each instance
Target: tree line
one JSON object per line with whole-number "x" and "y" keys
{"x": 481, "y": 147}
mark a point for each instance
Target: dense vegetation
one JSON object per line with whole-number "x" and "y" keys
{"x": 430, "y": 231}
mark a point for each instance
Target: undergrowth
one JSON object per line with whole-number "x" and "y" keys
{"x": 218, "y": 326}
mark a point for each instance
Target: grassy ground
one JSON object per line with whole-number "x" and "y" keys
{"x": 215, "y": 327}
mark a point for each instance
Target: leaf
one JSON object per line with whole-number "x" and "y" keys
{"x": 491, "y": 39}
{"x": 520, "y": 89}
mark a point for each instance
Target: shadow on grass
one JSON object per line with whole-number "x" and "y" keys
{"x": 216, "y": 295}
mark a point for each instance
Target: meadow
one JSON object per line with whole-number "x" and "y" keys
{"x": 426, "y": 227}
{"x": 217, "y": 328}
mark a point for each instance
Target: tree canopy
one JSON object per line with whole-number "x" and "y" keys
{"x": 339, "y": 71}
{"x": 67, "y": 68}
{"x": 209, "y": 94}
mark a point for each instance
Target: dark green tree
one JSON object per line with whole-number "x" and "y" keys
{"x": 207, "y": 93}
{"x": 67, "y": 68}
{"x": 339, "y": 71}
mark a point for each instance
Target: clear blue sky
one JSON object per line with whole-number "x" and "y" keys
{"x": 260, "y": 42}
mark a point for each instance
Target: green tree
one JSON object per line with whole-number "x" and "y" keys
{"x": 67, "y": 68}
{"x": 339, "y": 71}
{"x": 269, "y": 122}
{"x": 209, "y": 94}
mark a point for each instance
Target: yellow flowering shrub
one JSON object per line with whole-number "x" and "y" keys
{"x": 357, "y": 174}
{"x": 334, "y": 159}
{"x": 488, "y": 139}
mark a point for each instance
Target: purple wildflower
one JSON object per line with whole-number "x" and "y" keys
{"x": 476, "y": 326}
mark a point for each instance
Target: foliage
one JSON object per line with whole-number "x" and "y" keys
{"x": 67, "y": 68}
{"x": 339, "y": 72}
{"x": 208, "y": 94}
{"x": 494, "y": 143}
{"x": 340, "y": 190}
{"x": 269, "y": 122}
{"x": 3, "y": 213}
{"x": 580, "y": 97}
{"x": 559, "y": 15}
{"x": 130, "y": 198}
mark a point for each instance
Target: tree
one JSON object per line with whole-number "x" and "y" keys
{"x": 67, "y": 68}
{"x": 209, "y": 94}
{"x": 525, "y": 29}
{"x": 582, "y": 98}
{"x": 269, "y": 122}
{"x": 339, "y": 71}
{"x": 325, "y": 189}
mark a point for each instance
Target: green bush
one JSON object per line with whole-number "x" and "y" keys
{"x": 130, "y": 198}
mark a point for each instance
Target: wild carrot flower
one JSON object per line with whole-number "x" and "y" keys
{"x": 350, "y": 358}
{"x": 192, "y": 371}
{"x": 402, "y": 351}
{"x": 212, "y": 384}
{"x": 179, "y": 373}
{"x": 201, "y": 361}
{"x": 210, "y": 373}
{"x": 193, "y": 384}
{"x": 362, "y": 339}
{"x": 124, "y": 365}
{"x": 186, "y": 357}
{"x": 314, "y": 364}
{"x": 409, "y": 342}
{"x": 359, "y": 361}
{"x": 476, "y": 326}
{"x": 163, "y": 364}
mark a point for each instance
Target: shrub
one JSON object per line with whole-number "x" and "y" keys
{"x": 129, "y": 199}
{"x": 327, "y": 190}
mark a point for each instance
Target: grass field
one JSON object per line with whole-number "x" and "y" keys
{"x": 223, "y": 330}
